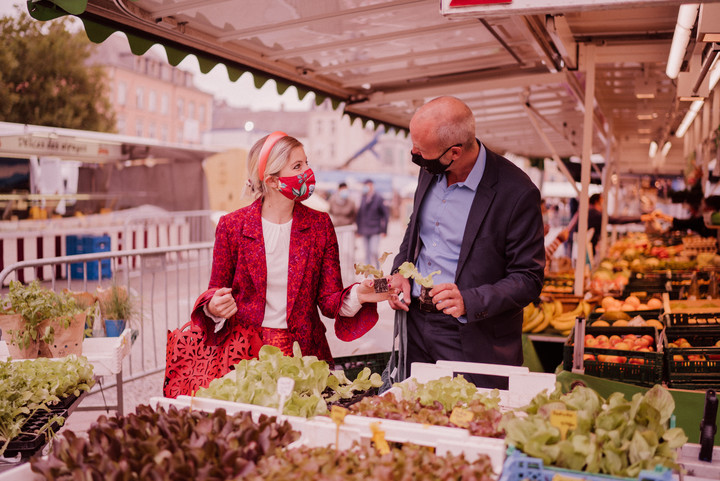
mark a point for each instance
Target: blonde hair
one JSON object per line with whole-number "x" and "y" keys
{"x": 278, "y": 158}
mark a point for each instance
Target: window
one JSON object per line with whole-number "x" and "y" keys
{"x": 139, "y": 128}
{"x": 201, "y": 114}
{"x": 121, "y": 124}
{"x": 152, "y": 101}
{"x": 151, "y": 130}
{"x": 180, "y": 108}
{"x": 164, "y": 133}
{"x": 191, "y": 110}
{"x": 179, "y": 135}
{"x": 165, "y": 104}
{"x": 121, "y": 93}
{"x": 139, "y": 94}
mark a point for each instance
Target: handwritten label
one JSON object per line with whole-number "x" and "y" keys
{"x": 461, "y": 417}
{"x": 564, "y": 420}
{"x": 285, "y": 387}
{"x": 337, "y": 414}
{"x": 378, "y": 439}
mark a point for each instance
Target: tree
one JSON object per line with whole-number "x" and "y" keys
{"x": 44, "y": 79}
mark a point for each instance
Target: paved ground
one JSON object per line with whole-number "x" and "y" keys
{"x": 142, "y": 390}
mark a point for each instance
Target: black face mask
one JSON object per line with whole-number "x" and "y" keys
{"x": 433, "y": 166}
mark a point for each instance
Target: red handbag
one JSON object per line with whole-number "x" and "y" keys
{"x": 191, "y": 364}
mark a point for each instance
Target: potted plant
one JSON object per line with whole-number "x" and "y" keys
{"x": 380, "y": 283}
{"x": 118, "y": 309}
{"x": 40, "y": 322}
{"x": 409, "y": 271}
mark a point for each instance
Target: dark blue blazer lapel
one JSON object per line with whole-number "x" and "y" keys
{"x": 480, "y": 206}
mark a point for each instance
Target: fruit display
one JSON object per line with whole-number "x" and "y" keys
{"x": 551, "y": 314}
{"x": 629, "y": 303}
{"x": 611, "y": 436}
{"x": 626, "y": 354}
{"x": 692, "y": 355}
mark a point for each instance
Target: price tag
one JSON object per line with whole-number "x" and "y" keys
{"x": 461, "y": 417}
{"x": 378, "y": 439}
{"x": 337, "y": 414}
{"x": 285, "y": 387}
{"x": 564, "y": 420}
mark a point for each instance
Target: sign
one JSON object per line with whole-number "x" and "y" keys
{"x": 63, "y": 147}
{"x": 488, "y": 8}
{"x": 465, "y": 3}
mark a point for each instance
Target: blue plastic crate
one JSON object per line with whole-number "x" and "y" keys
{"x": 88, "y": 245}
{"x": 519, "y": 467}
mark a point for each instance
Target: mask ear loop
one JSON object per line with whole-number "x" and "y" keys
{"x": 265, "y": 151}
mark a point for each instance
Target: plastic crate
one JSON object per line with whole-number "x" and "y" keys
{"x": 699, "y": 319}
{"x": 520, "y": 467}
{"x": 75, "y": 245}
{"x": 30, "y": 441}
{"x": 702, "y": 372}
{"x": 352, "y": 365}
{"x": 641, "y": 368}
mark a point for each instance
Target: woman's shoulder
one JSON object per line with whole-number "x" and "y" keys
{"x": 240, "y": 215}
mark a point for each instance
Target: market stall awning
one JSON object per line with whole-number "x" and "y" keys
{"x": 520, "y": 69}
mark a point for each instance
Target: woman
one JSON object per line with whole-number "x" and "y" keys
{"x": 276, "y": 261}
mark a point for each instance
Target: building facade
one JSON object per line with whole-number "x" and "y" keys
{"x": 151, "y": 98}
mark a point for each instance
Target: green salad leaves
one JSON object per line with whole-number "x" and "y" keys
{"x": 612, "y": 436}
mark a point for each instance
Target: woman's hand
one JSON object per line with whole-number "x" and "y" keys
{"x": 222, "y": 304}
{"x": 366, "y": 292}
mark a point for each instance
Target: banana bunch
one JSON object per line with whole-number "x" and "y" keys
{"x": 550, "y": 313}
{"x": 564, "y": 322}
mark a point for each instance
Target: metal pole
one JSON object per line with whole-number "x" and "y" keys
{"x": 585, "y": 168}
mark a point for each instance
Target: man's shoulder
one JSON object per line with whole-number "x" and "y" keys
{"x": 506, "y": 171}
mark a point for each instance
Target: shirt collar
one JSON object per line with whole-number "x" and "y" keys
{"x": 475, "y": 175}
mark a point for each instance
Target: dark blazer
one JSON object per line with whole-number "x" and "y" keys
{"x": 502, "y": 258}
{"x": 372, "y": 216}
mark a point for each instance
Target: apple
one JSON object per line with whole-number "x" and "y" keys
{"x": 588, "y": 357}
{"x": 624, "y": 346}
{"x": 696, "y": 357}
{"x": 678, "y": 357}
{"x": 641, "y": 342}
{"x": 602, "y": 338}
{"x": 717, "y": 344}
{"x": 636, "y": 360}
{"x": 592, "y": 342}
{"x": 650, "y": 339}
{"x": 629, "y": 336}
{"x": 614, "y": 339}
{"x": 605, "y": 358}
{"x": 672, "y": 344}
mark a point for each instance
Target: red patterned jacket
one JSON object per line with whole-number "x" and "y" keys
{"x": 313, "y": 279}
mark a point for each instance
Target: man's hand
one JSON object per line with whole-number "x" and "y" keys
{"x": 399, "y": 282}
{"x": 222, "y": 304}
{"x": 447, "y": 298}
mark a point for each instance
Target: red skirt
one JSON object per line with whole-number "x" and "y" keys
{"x": 279, "y": 338}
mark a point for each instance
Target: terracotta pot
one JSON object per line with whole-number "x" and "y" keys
{"x": 67, "y": 340}
{"x": 16, "y": 322}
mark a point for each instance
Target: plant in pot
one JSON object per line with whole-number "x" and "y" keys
{"x": 380, "y": 282}
{"x": 40, "y": 322}
{"x": 409, "y": 271}
{"x": 118, "y": 309}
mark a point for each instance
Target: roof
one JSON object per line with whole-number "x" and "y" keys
{"x": 519, "y": 65}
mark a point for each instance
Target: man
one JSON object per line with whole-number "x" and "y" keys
{"x": 476, "y": 218}
{"x": 372, "y": 221}
{"x": 595, "y": 209}
{"x": 342, "y": 207}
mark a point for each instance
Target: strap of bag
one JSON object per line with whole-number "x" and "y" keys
{"x": 395, "y": 370}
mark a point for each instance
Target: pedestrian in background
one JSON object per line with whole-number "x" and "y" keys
{"x": 342, "y": 208}
{"x": 372, "y": 221}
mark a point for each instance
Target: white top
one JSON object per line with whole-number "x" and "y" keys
{"x": 277, "y": 255}
{"x": 277, "y": 249}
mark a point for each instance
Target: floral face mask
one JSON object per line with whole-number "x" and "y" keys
{"x": 297, "y": 187}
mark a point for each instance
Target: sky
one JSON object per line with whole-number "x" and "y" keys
{"x": 241, "y": 93}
